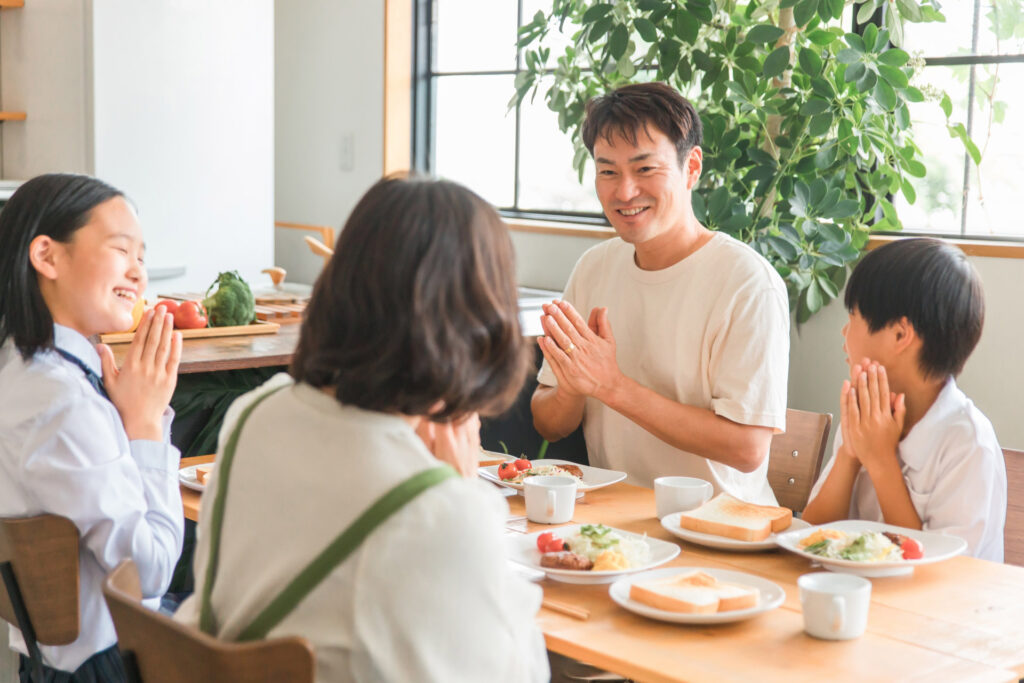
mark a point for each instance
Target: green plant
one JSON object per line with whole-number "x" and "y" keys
{"x": 807, "y": 133}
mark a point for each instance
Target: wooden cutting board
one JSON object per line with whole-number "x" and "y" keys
{"x": 232, "y": 331}
{"x": 280, "y": 312}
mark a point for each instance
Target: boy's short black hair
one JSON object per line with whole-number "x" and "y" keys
{"x": 933, "y": 285}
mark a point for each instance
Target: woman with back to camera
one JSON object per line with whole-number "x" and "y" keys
{"x": 412, "y": 330}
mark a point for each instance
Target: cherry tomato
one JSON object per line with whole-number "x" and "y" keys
{"x": 507, "y": 470}
{"x": 544, "y": 539}
{"x": 169, "y": 304}
{"x": 555, "y": 545}
{"x": 911, "y": 548}
{"x": 522, "y": 464}
{"x": 190, "y": 315}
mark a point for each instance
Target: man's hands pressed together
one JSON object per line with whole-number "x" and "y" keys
{"x": 581, "y": 354}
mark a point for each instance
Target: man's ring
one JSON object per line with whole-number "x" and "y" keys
{"x": 569, "y": 349}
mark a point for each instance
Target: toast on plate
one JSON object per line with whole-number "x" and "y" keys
{"x": 203, "y": 472}
{"x": 731, "y": 517}
{"x": 694, "y": 593}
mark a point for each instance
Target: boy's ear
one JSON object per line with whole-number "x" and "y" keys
{"x": 42, "y": 255}
{"x": 903, "y": 333}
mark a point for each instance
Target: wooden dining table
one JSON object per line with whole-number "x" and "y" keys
{"x": 957, "y": 620}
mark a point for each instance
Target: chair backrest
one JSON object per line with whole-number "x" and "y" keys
{"x": 795, "y": 457}
{"x": 43, "y": 552}
{"x": 166, "y": 651}
{"x": 1013, "y": 532}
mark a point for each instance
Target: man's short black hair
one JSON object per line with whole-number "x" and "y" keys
{"x": 933, "y": 285}
{"x": 632, "y": 108}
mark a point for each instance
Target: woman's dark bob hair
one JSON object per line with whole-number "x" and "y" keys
{"x": 417, "y": 306}
{"x": 932, "y": 285}
{"x": 55, "y": 205}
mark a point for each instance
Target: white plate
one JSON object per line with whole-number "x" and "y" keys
{"x": 937, "y": 547}
{"x": 187, "y": 477}
{"x": 671, "y": 525}
{"x": 771, "y": 596}
{"x": 593, "y": 477}
{"x": 523, "y": 550}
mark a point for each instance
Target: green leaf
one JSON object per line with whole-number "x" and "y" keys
{"x": 809, "y": 61}
{"x": 599, "y": 28}
{"x": 626, "y": 67}
{"x": 959, "y": 131}
{"x": 894, "y": 24}
{"x": 854, "y": 72}
{"x": 815, "y": 300}
{"x": 849, "y": 56}
{"x": 844, "y": 208}
{"x": 910, "y": 10}
{"x": 827, "y": 286}
{"x": 915, "y": 168}
{"x": 826, "y": 156}
{"x": 686, "y": 26}
{"x": 776, "y": 62}
{"x": 912, "y": 94}
{"x": 649, "y": 5}
{"x": 804, "y": 11}
{"x": 856, "y": 42}
{"x": 947, "y": 106}
{"x": 618, "y": 41}
{"x": 764, "y": 33}
{"x": 646, "y": 29}
{"x": 820, "y": 124}
{"x": 596, "y": 12}
{"x": 893, "y": 76}
{"x": 821, "y": 37}
{"x": 866, "y": 10}
{"x": 668, "y": 53}
{"x": 885, "y": 96}
{"x": 894, "y": 57}
{"x": 782, "y": 247}
{"x": 813, "y": 106}
{"x": 908, "y": 191}
{"x": 870, "y": 36}
{"x": 867, "y": 81}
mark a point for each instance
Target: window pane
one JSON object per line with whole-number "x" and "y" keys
{"x": 940, "y": 192}
{"x": 471, "y": 35}
{"x": 993, "y": 205}
{"x": 547, "y": 179}
{"x": 941, "y": 39}
{"x": 474, "y": 138}
{"x": 555, "y": 39}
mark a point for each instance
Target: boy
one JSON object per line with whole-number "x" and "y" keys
{"x": 913, "y": 450}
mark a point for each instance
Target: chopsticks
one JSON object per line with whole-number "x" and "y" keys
{"x": 580, "y": 613}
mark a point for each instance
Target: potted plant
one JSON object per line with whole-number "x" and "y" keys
{"x": 807, "y": 133}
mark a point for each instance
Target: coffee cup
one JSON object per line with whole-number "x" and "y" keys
{"x": 835, "y": 605}
{"x": 677, "y": 494}
{"x": 550, "y": 499}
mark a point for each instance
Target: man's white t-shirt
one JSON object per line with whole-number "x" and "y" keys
{"x": 953, "y": 468}
{"x": 711, "y": 331}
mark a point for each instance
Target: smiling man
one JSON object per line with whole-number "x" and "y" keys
{"x": 672, "y": 342}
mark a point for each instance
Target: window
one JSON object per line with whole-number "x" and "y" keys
{"x": 466, "y": 63}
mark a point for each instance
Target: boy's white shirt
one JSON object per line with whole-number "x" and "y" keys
{"x": 953, "y": 468}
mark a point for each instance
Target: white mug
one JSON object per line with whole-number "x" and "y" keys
{"x": 550, "y": 499}
{"x": 677, "y": 494}
{"x": 835, "y": 605}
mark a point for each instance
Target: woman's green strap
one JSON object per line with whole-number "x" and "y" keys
{"x": 341, "y": 547}
{"x": 217, "y": 516}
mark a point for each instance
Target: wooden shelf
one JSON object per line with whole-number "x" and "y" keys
{"x": 12, "y": 115}
{"x": 12, "y": 3}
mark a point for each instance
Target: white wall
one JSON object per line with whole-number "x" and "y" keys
{"x": 172, "y": 102}
{"x": 329, "y": 106}
{"x": 992, "y": 378}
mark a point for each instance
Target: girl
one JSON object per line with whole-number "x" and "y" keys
{"x": 79, "y": 437}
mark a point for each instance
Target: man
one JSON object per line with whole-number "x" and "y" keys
{"x": 693, "y": 380}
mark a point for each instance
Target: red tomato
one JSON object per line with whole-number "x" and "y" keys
{"x": 911, "y": 548}
{"x": 507, "y": 470}
{"x": 189, "y": 316}
{"x": 522, "y": 464}
{"x": 555, "y": 545}
{"x": 544, "y": 539}
{"x": 169, "y": 304}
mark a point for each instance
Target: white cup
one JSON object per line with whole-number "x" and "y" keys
{"x": 835, "y": 605}
{"x": 677, "y": 494}
{"x": 550, "y": 499}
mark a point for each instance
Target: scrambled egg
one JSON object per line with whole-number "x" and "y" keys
{"x": 610, "y": 560}
{"x": 821, "y": 535}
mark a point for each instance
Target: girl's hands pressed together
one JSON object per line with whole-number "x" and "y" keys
{"x": 455, "y": 443}
{"x": 141, "y": 389}
{"x": 872, "y": 417}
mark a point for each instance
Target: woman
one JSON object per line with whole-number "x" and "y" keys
{"x": 412, "y": 330}
{"x": 79, "y": 437}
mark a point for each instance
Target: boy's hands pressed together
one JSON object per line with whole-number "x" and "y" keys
{"x": 872, "y": 417}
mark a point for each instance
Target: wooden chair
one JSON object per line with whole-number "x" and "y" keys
{"x": 1013, "y": 532}
{"x": 39, "y": 565}
{"x": 795, "y": 457}
{"x": 157, "y": 649}
{"x": 323, "y": 247}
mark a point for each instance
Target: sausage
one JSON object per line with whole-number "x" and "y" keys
{"x": 571, "y": 469}
{"x": 566, "y": 560}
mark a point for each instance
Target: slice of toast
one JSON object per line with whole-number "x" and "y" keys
{"x": 203, "y": 472}
{"x": 694, "y": 593}
{"x": 727, "y": 516}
